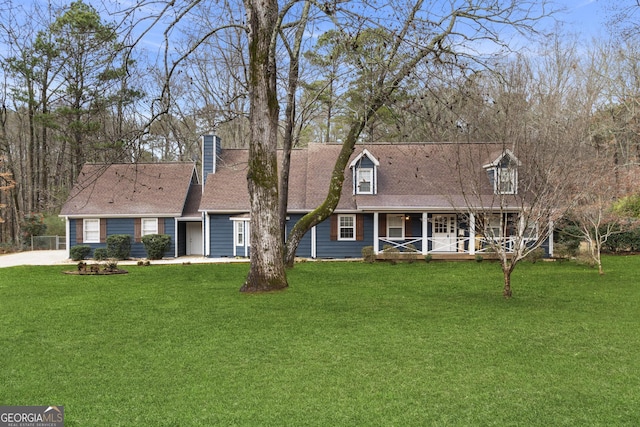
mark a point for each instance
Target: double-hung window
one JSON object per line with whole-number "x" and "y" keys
{"x": 91, "y": 231}
{"x": 505, "y": 180}
{"x": 395, "y": 226}
{"x": 365, "y": 181}
{"x": 346, "y": 227}
{"x": 149, "y": 226}
{"x": 239, "y": 232}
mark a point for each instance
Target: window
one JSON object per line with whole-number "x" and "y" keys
{"x": 531, "y": 230}
{"x": 395, "y": 226}
{"x": 91, "y": 231}
{"x": 346, "y": 227}
{"x": 505, "y": 180}
{"x": 239, "y": 232}
{"x": 365, "y": 181}
{"x": 149, "y": 226}
{"x": 495, "y": 226}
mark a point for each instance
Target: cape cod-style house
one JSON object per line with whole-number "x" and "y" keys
{"x": 404, "y": 196}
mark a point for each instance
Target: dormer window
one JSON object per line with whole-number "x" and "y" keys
{"x": 365, "y": 170}
{"x": 503, "y": 173}
{"x": 505, "y": 180}
{"x": 364, "y": 181}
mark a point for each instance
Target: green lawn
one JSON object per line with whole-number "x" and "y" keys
{"x": 348, "y": 344}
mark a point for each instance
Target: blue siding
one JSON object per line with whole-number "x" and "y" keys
{"x": 221, "y": 236}
{"x": 365, "y": 162}
{"x": 304, "y": 248}
{"x": 211, "y": 148}
{"x": 327, "y": 248}
{"x": 126, "y": 226}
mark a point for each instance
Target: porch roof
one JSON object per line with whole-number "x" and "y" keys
{"x": 431, "y": 203}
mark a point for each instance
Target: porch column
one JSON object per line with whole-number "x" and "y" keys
{"x": 472, "y": 234}
{"x": 376, "y": 238}
{"x": 207, "y": 234}
{"x": 550, "y": 238}
{"x": 175, "y": 237}
{"x": 67, "y": 237}
{"x": 313, "y": 242}
{"x": 425, "y": 232}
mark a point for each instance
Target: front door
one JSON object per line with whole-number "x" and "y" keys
{"x": 444, "y": 233}
{"x": 194, "y": 238}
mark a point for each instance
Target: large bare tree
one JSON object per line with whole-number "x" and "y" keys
{"x": 412, "y": 34}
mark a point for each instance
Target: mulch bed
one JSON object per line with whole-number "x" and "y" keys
{"x": 96, "y": 273}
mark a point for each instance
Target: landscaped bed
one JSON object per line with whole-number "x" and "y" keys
{"x": 347, "y": 344}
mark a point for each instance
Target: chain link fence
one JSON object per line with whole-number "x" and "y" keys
{"x": 48, "y": 243}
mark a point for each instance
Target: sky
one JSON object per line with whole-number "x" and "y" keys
{"x": 585, "y": 18}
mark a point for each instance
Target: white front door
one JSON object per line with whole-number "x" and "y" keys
{"x": 444, "y": 233}
{"x": 194, "y": 238}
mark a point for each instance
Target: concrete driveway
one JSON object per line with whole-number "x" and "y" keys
{"x": 60, "y": 257}
{"x": 34, "y": 258}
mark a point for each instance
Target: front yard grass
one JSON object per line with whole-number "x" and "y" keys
{"x": 348, "y": 344}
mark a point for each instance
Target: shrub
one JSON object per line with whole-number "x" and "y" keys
{"x": 479, "y": 258}
{"x": 392, "y": 253}
{"x": 564, "y": 251}
{"x": 409, "y": 252}
{"x": 156, "y": 245}
{"x": 368, "y": 255}
{"x": 428, "y": 258}
{"x": 111, "y": 265}
{"x": 79, "y": 252}
{"x": 100, "y": 254}
{"x": 536, "y": 255}
{"x": 119, "y": 246}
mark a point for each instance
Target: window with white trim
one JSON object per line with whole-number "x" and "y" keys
{"x": 346, "y": 227}
{"x": 364, "y": 181}
{"x": 91, "y": 231}
{"x": 149, "y": 226}
{"x": 395, "y": 227}
{"x": 505, "y": 180}
{"x": 239, "y": 232}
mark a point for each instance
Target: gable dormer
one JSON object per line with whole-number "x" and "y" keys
{"x": 503, "y": 173}
{"x": 365, "y": 173}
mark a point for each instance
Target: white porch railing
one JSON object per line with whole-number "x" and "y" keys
{"x": 401, "y": 244}
{"x": 458, "y": 245}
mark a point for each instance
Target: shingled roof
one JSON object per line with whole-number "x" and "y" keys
{"x": 410, "y": 175}
{"x": 158, "y": 189}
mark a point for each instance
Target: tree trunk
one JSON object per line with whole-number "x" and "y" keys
{"x": 507, "y": 269}
{"x": 506, "y": 291}
{"x": 267, "y": 270}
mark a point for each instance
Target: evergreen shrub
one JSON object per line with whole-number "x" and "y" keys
{"x": 156, "y": 245}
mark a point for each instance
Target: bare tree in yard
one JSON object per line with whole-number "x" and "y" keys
{"x": 536, "y": 168}
{"x": 593, "y": 214}
{"x": 413, "y": 33}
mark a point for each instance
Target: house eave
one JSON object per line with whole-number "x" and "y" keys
{"x": 132, "y": 215}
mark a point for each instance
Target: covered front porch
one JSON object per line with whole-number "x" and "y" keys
{"x": 440, "y": 234}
